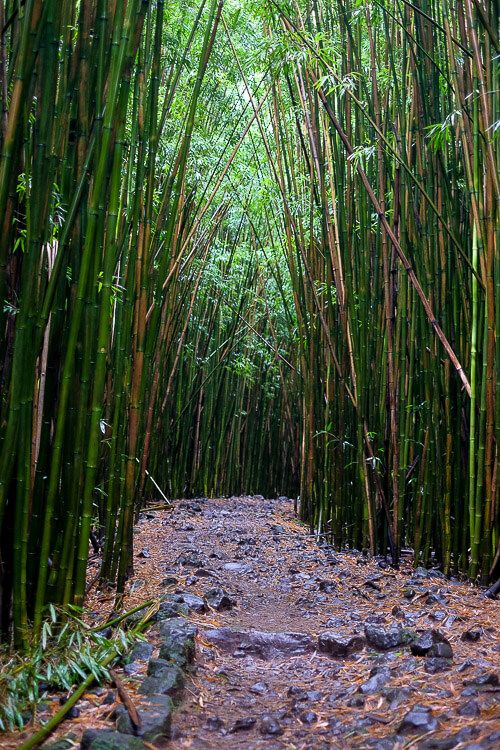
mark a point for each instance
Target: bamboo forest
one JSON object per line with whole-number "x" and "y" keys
{"x": 250, "y": 317}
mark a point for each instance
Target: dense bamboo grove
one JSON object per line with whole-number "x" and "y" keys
{"x": 246, "y": 247}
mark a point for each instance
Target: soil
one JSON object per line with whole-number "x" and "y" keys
{"x": 283, "y": 581}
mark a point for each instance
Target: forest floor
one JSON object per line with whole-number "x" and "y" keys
{"x": 362, "y": 688}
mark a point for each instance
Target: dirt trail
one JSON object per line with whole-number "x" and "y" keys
{"x": 244, "y": 694}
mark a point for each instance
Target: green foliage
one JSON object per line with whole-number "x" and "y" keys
{"x": 67, "y": 652}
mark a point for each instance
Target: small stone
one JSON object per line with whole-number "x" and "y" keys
{"x": 308, "y": 717}
{"x": 398, "y": 612}
{"x": 234, "y": 567}
{"x": 435, "y": 664}
{"x": 259, "y": 688}
{"x": 385, "y": 638}
{"x": 193, "y": 603}
{"x": 470, "y": 709}
{"x": 141, "y": 652}
{"x": 337, "y": 644}
{"x": 166, "y": 681}
{"x": 219, "y": 599}
{"x": 432, "y": 643}
{"x": 376, "y": 682}
{"x": 137, "y": 584}
{"x": 144, "y": 553}
{"x": 155, "y": 715}
{"x": 204, "y": 573}
{"x": 104, "y": 739}
{"x": 472, "y": 635}
{"x": 170, "y": 581}
{"x": 357, "y": 701}
{"x": 64, "y": 743}
{"x": 178, "y": 640}
{"x": 213, "y": 723}
{"x": 170, "y": 609}
{"x": 270, "y": 725}
{"x": 243, "y": 725}
{"x": 484, "y": 679}
{"x": 419, "y": 719}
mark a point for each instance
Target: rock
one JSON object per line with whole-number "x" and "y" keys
{"x": 141, "y": 652}
{"x": 483, "y": 679}
{"x": 64, "y": 743}
{"x": 308, "y": 717}
{"x": 435, "y": 664}
{"x": 398, "y": 612}
{"x": 106, "y": 739}
{"x": 243, "y": 725}
{"x": 259, "y": 688}
{"x": 144, "y": 553}
{"x": 376, "y": 682}
{"x": 213, "y": 723}
{"x": 472, "y": 635}
{"x": 432, "y": 643}
{"x": 191, "y": 601}
{"x": 178, "y": 640}
{"x": 418, "y": 720}
{"x": 357, "y": 701}
{"x": 270, "y": 725}
{"x": 235, "y": 567}
{"x": 204, "y": 573}
{"x": 446, "y": 743}
{"x": 470, "y": 709}
{"x": 170, "y": 581}
{"x": 156, "y": 719}
{"x": 385, "y": 638}
{"x": 166, "y": 681}
{"x": 169, "y": 609}
{"x": 436, "y": 598}
{"x": 137, "y": 584}
{"x": 189, "y": 561}
{"x": 337, "y": 644}
{"x": 397, "y": 696}
{"x": 219, "y": 599}
{"x": 259, "y": 643}
{"x": 327, "y": 586}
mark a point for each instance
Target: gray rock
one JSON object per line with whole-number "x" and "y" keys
{"x": 470, "y": 709}
{"x": 156, "y": 719}
{"x": 169, "y": 609}
{"x": 418, "y": 720}
{"x": 219, "y": 599}
{"x": 191, "y": 601}
{"x": 385, "y": 638}
{"x": 376, "y": 682}
{"x": 235, "y": 567}
{"x": 242, "y": 725}
{"x": 435, "y": 664}
{"x": 397, "y": 696}
{"x": 432, "y": 643}
{"x": 308, "y": 717}
{"x": 141, "y": 652}
{"x": 166, "y": 681}
{"x": 178, "y": 640}
{"x": 472, "y": 635}
{"x": 104, "y": 739}
{"x": 259, "y": 688}
{"x": 270, "y": 725}
{"x": 259, "y": 643}
{"x": 63, "y": 743}
{"x": 483, "y": 679}
{"x": 337, "y": 644}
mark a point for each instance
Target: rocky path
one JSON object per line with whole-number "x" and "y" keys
{"x": 306, "y": 648}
